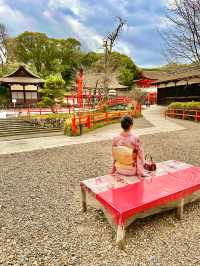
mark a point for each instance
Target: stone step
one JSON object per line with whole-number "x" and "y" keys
{"x": 15, "y": 133}
{"x": 13, "y": 127}
{"x": 13, "y": 122}
{"x": 29, "y": 130}
{"x": 30, "y": 136}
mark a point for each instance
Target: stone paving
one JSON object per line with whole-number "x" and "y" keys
{"x": 154, "y": 115}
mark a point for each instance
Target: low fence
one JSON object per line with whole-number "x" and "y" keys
{"x": 70, "y": 109}
{"x": 119, "y": 100}
{"x": 42, "y": 111}
{"x": 192, "y": 114}
{"x": 35, "y": 111}
{"x": 90, "y": 120}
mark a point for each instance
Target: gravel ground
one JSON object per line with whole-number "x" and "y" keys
{"x": 138, "y": 123}
{"x": 41, "y": 222}
{"x": 141, "y": 123}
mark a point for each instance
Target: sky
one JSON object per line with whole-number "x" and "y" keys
{"x": 91, "y": 20}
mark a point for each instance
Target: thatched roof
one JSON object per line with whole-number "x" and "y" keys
{"x": 22, "y": 76}
{"x": 96, "y": 81}
{"x": 155, "y": 74}
{"x": 189, "y": 74}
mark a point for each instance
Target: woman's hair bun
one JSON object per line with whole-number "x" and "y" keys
{"x": 126, "y": 122}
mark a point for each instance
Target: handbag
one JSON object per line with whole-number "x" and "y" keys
{"x": 149, "y": 165}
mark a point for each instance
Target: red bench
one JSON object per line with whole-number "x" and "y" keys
{"x": 124, "y": 199}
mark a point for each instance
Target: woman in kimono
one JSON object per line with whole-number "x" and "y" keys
{"x": 128, "y": 157}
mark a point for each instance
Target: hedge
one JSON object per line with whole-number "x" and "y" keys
{"x": 185, "y": 105}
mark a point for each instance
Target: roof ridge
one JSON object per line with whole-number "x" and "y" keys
{"x": 25, "y": 68}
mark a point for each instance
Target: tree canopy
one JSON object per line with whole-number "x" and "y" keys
{"x": 53, "y": 90}
{"x": 50, "y": 56}
{"x": 120, "y": 63}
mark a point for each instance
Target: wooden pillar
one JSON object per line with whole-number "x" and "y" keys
{"x": 84, "y": 204}
{"x": 10, "y": 93}
{"x": 37, "y": 93}
{"x": 179, "y": 212}
{"x": 120, "y": 241}
{"x": 24, "y": 92}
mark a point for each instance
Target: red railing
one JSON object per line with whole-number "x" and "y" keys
{"x": 119, "y": 100}
{"x": 40, "y": 111}
{"x": 115, "y": 101}
{"x": 183, "y": 113}
{"x": 90, "y": 120}
{"x": 70, "y": 109}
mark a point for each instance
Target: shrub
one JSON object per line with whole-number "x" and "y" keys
{"x": 46, "y": 102}
{"x": 68, "y": 128}
{"x": 54, "y": 88}
{"x": 4, "y": 96}
{"x": 185, "y": 105}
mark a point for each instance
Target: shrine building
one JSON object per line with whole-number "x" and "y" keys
{"x": 24, "y": 87}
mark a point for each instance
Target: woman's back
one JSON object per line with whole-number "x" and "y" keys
{"x": 127, "y": 152}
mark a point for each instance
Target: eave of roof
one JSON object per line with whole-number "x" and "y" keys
{"x": 185, "y": 76}
{"x": 154, "y": 74}
{"x": 22, "y": 67}
{"x": 21, "y": 80}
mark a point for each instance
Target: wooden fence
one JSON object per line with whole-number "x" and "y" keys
{"x": 183, "y": 113}
{"x": 90, "y": 120}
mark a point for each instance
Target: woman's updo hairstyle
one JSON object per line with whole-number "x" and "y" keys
{"x": 126, "y": 122}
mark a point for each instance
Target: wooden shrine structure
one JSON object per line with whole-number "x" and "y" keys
{"x": 24, "y": 87}
{"x": 180, "y": 86}
{"x": 146, "y": 84}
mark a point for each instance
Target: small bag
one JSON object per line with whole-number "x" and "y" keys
{"x": 149, "y": 165}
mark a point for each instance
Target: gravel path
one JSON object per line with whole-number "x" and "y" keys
{"x": 41, "y": 222}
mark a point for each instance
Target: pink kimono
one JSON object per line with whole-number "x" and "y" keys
{"x": 130, "y": 140}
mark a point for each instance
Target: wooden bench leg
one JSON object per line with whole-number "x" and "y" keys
{"x": 180, "y": 209}
{"x": 121, "y": 237}
{"x": 84, "y": 204}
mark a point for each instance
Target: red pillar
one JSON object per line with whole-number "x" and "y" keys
{"x": 74, "y": 124}
{"x": 80, "y": 89}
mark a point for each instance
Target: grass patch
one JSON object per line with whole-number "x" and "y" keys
{"x": 68, "y": 127}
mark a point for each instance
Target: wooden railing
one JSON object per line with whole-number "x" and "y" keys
{"x": 119, "y": 100}
{"x": 106, "y": 117}
{"x": 90, "y": 120}
{"x": 193, "y": 114}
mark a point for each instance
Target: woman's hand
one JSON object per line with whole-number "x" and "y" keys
{"x": 141, "y": 177}
{"x": 113, "y": 170}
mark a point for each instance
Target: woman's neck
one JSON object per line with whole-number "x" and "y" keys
{"x": 127, "y": 131}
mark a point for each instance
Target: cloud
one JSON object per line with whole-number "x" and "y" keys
{"x": 75, "y": 6}
{"x": 123, "y": 47}
{"x": 91, "y": 20}
{"x": 15, "y": 20}
{"x": 88, "y": 36}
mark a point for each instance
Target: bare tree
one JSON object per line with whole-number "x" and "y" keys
{"x": 182, "y": 40}
{"x": 3, "y": 44}
{"x": 108, "y": 45}
{"x": 138, "y": 95}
